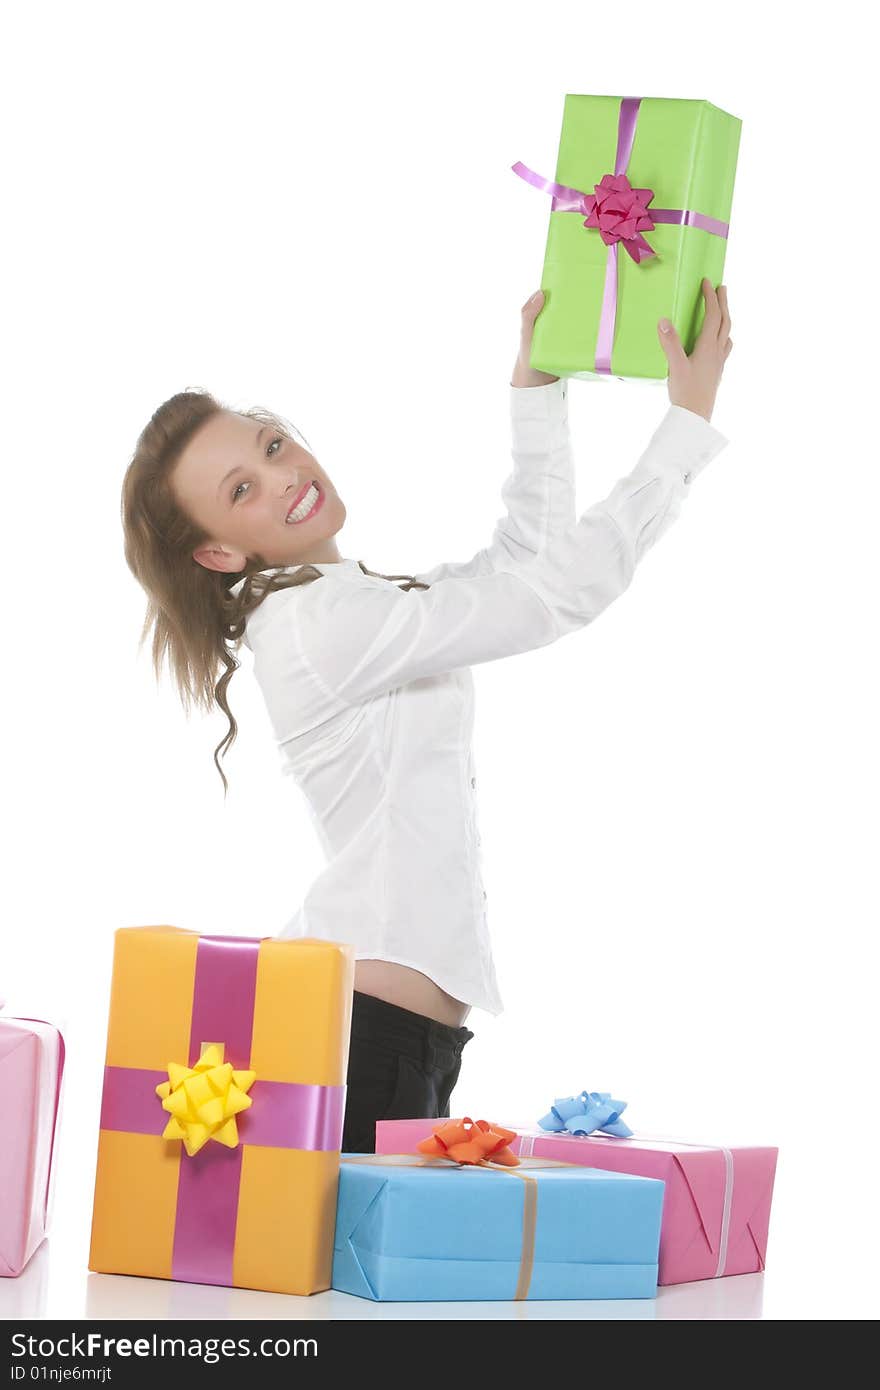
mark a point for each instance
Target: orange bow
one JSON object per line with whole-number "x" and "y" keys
{"x": 470, "y": 1141}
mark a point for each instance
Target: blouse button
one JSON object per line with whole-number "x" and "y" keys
{"x": 473, "y": 781}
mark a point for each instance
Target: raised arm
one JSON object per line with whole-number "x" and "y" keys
{"x": 368, "y": 639}
{"x": 539, "y": 494}
{"x": 363, "y": 640}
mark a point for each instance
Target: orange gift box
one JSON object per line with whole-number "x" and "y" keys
{"x": 222, "y": 1109}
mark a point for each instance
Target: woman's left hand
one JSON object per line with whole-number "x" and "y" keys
{"x": 523, "y": 374}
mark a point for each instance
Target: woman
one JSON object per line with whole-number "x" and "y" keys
{"x": 230, "y": 527}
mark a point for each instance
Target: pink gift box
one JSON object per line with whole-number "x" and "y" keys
{"x": 31, "y": 1067}
{"x": 716, "y": 1207}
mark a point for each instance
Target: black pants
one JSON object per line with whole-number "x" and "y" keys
{"x": 401, "y": 1066}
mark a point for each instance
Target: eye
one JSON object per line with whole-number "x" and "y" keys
{"x": 277, "y": 440}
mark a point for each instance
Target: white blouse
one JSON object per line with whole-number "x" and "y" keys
{"x": 370, "y": 694}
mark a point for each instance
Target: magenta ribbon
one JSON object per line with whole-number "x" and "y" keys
{"x": 620, "y": 213}
{"x": 284, "y": 1114}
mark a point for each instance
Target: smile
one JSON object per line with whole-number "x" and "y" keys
{"x": 308, "y": 505}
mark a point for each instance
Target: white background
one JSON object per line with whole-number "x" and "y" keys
{"x": 314, "y": 211}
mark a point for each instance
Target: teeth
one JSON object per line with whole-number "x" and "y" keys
{"x": 305, "y": 505}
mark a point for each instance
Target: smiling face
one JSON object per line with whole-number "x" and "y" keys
{"x": 256, "y": 492}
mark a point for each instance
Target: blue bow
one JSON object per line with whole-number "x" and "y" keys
{"x": 586, "y": 1113}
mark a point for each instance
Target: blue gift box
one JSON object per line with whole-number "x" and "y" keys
{"x": 415, "y": 1229}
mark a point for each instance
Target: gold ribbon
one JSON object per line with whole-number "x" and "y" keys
{"x": 530, "y": 1199}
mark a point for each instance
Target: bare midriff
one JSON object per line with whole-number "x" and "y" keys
{"x": 408, "y": 989}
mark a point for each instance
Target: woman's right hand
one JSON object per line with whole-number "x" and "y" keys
{"x": 694, "y": 380}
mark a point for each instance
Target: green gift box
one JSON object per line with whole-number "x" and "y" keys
{"x": 653, "y": 177}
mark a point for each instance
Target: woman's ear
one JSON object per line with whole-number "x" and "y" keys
{"x": 218, "y": 558}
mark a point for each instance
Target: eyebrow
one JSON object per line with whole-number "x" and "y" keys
{"x": 237, "y": 467}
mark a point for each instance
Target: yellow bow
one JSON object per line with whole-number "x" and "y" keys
{"x": 204, "y": 1100}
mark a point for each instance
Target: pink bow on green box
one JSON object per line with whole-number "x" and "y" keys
{"x": 653, "y": 176}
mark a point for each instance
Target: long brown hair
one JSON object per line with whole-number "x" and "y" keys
{"x": 197, "y": 624}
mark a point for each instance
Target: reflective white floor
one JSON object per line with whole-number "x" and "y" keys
{"x": 804, "y": 1280}
{"x": 36, "y": 1294}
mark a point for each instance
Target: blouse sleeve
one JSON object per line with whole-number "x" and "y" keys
{"x": 362, "y": 640}
{"x": 539, "y": 494}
